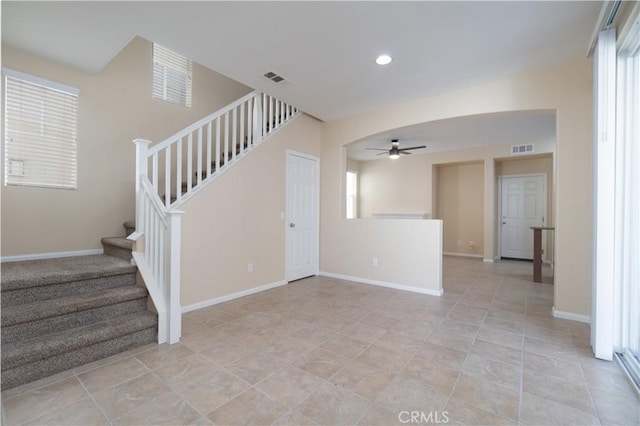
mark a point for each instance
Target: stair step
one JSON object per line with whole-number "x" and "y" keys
{"x": 36, "y": 280}
{"x": 129, "y": 227}
{"x": 119, "y": 247}
{"x": 29, "y": 320}
{"x": 43, "y": 356}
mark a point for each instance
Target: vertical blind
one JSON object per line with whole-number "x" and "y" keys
{"x": 40, "y": 132}
{"x": 171, "y": 76}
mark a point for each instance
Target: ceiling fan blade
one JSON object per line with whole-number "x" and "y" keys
{"x": 404, "y": 153}
{"x": 377, "y": 149}
{"x": 413, "y": 147}
{"x": 384, "y": 153}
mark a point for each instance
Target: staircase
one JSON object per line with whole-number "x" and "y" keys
{"x": 61, "y": 313}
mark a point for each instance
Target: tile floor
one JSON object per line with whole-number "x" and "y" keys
{"x": 325, "y": 351}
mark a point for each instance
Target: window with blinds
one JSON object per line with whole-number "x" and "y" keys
{"x": 40, "y": 139}
{"x": 171, "y": 76}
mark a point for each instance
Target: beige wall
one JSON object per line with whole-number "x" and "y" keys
{"x": 566, "y": 89}
{"x": 236, "y": 220}
{"x": 460, "y": 197}
{"x": 539, "y": 164}
{"x": 393, "y": 186}
{"x": 114, "y": 107}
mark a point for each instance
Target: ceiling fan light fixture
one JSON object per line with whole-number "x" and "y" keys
{"x": 394, "y": 153}
{"x": 383, "y": 60}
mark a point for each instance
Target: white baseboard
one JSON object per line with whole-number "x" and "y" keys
{"x": 51, "y": 255}
{"x": 570, "y": 316}
{"x": 383, "y": 284}
{"x": 475, "y": 256}
{"x": 221, "y": 299}
{"x": 487, "y": 260}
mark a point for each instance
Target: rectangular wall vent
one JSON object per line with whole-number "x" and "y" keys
{"x": 274, "y": 77}
{"x": 522, "y": 149}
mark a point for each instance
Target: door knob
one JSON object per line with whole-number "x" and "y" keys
{"x": 292, "y": 225}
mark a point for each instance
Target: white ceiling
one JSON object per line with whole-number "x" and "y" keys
{"x": 325, "y": 49}
{"x": 513, "y": 128}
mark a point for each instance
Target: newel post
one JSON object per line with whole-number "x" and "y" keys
{"x": 174, "y": 309}
{"x": 142, "y": 146}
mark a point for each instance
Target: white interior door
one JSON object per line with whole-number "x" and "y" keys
{"x": 302, "y": 216}
{"x": 523, "y": 205}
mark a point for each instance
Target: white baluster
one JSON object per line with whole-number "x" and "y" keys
{"x": 174, "y": 308}
{"x": 276, "y": 119}
{"x": 265, "y": 110}
{"x": 167, "y": 176}
{"x": 189, "y": 162}
{"x": 154, "y": 171}
{"x": 217, "y": 144}
{"x": 226, "y": 139}
{"x": 235, "y": 132}
{"x": 209, "y": 148}
{"x": 242, "y": 128}
{"x": 179, "y": 170}
{"x": 250, "y": 131}
{"x": 199, "y": 155}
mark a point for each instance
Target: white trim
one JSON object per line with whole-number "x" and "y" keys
{"x": 570, "y": 316}
{"x": 485, "y": 260}
{"x": 475, "y": 256}
{"x": 236, "y": 295}
{"x": 383, "y": 284}
{"x": 52, "y": 255}
{"x": 40, "y": 81}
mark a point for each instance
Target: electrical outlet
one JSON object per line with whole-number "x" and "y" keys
{"x": 374, "y": 261}
{"x": 250, "y": 267}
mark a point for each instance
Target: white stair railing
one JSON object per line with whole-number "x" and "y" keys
{"x": 172, "y": 171}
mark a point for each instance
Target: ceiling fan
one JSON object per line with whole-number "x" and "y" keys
{"x": 395, "y": 151}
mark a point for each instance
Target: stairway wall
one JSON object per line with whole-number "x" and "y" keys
{"x": 115, "y": 106}
{"x": 236, "y": 220}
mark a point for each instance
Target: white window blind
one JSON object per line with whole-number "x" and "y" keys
{"x": 171, "y": 76}
{"x": 40, "y": 119}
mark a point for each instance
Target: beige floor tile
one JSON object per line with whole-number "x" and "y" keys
{"x": 458, "y": 413}
{"x": 321, "y": 363}
{"x": 607, "y": 381}
{"x": 362, "y": 379}
{"x": 384, "y": 359}
{"x": 488, "y": 396}
{"x": 345, "y": 346}
{"x": 27, "y": 387}
{"x": 562, "y": 369}
{"x": 36, "y": 402}
{"x": 557, "y": 389}
{"x": 264, "y": 410}
{"x": 399, "y": 342}
{"x": 186, "y": 369}
{"x": 501, "y": 373}
{"x": 119, "y": 400}
{"x": 287, "y": 348}
{"x": 442, "y": 356}
{"x": 211, "y": 390}
{"x": 365, "y": 332}
{"x": 294, "y": 418}
{"x": 614, "y": 409}
{"x": 111, "y": 374}
{"x": 540, "y": 411}
{"x": 404, "y": 394}
{"x": 169, "y": 409}
{"x": 380, "y": 321}
{"x": 313, "y": 335}
{"x": 455, "y": 327}
{"x": 378, "y": 416}
{"x": 424, "y": 371}
{"x": 332, "y": 405}
{"x": 497, "y": 352}
{"x": 468, "y": 314}
{"x": 290, "y": 385}
{"x": 499, "y": 337}
{"x": 81, "y": 413}
{"x": 460, "y": 342}
{"x": 163, "y": 355}
{"x": 253, "y": 368}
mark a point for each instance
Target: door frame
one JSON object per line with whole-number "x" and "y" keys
{"x": 289, "y": 153}
{"x": 546, "y": 210}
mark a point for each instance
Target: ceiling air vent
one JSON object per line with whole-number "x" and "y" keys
{"x": 522, "y": 149}
{"x": 274, "y": 77}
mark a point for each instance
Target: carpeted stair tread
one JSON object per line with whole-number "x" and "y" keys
{"x": 120, "y": 242}
{"x": 129, "y": 224}
{"x": 39, "y": 348}
{"x": 43, "y": 272}
{"x": 28, "y": 312}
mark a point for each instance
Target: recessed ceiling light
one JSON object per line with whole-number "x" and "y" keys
{"x": 383, "y": 59}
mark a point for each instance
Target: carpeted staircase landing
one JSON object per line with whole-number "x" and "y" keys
{"x": 61, "y": 313}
